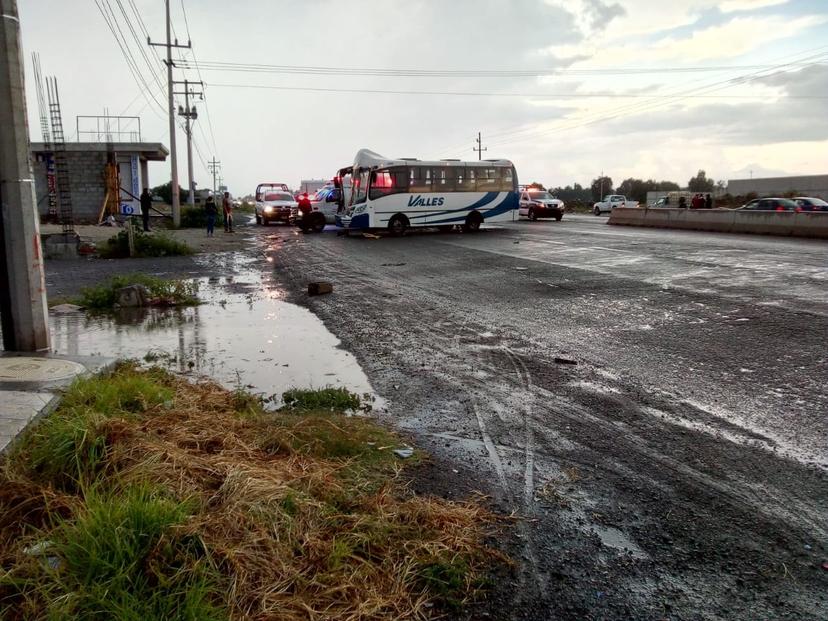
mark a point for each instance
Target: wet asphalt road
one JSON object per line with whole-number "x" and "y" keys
{"x": 677, "y": 471}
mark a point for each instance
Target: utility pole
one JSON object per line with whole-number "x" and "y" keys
{"x": 480, "y": 148}
{"x": 600, "y": 198}
{"x": 214, "y": 167}
{"x": 176, "y": 204}
{"x": 24, "y": 315}
{"x": 189, "y": 115}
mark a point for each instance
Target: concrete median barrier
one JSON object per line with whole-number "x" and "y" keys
{"x": 786, "y": 223}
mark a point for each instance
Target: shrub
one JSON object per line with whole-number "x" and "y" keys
{"x": 146, "y": 245}
{"x": 321, "y": 399}
{"x": 170, "y": 292}
{"x": 193, "y": 218}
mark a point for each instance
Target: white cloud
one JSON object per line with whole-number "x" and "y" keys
{"x": 732, "y": 6}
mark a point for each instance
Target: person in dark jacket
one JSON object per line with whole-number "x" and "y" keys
{"x": 708, "y": 202}
{"x": 211, "y": 210}
{"x": 146, "y": 205}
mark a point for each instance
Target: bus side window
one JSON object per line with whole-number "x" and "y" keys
{"x": 469, "y": 182}
{"x": 487, "y": 180}
{"x": 444, "y": 179}
{"x": 507, "y": 180}
{"x": 420, "y": 179}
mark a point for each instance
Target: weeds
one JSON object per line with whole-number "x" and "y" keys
{"x": 180, "y": 507}
{"x": 161, "y": 291}
{"x": 146, "y": 245}
{"x": 338, "y": 399}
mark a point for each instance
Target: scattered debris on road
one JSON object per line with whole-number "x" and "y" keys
{"x": 319, "y": 288}
{"x": 404, "y": 453}
{"x": 559, "y": 360}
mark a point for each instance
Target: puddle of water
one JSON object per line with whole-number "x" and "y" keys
{"x": 243, "y": 335}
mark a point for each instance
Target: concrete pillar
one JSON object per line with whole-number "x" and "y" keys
{"x": 144, "y": 174}
{"x": 23, "y": 309}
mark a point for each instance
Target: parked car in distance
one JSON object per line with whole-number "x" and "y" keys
{"x": 536, "y": 204}
{"x": 769, "y": 204}
{"x": 672, "y": 199}
{"x": 275, "y": 206}
{"x": 810, "y": 203}
{"x": 611, "y": 202}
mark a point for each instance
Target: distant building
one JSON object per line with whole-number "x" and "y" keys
{"x": 311, "y": 186}
{"x": 806, "y": 185}
{"x": 87, "y": 163}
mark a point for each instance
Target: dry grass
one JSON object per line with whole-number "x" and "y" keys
{"x": 298, "y": 516}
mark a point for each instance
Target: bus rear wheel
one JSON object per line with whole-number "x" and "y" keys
{"x": 473, "y": 222}
{"x": 398, "y": 225}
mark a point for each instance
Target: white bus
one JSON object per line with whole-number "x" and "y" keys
{"x": 398, "y": 194}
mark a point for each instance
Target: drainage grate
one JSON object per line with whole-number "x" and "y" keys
{"x": 22, "y": 369}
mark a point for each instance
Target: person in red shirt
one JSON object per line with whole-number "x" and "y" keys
{"x": 305, "y": 205}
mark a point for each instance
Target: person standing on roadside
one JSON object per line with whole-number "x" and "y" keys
{"x": 146, "y": 205}
{"x": 212, "y": 211}
{"x": 227, "y": 206}
{"x": 708, "y": 202}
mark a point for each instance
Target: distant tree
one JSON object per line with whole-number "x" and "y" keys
{"x": 536, "y": 186}
{"x": 575, "y": 192}
{"x": 700, "y": 183}
{"x": 599, "y": 185}
{"x": 165, "y": 192}
{"x": 721, "y": 185}
{"x": 668, "y": 186}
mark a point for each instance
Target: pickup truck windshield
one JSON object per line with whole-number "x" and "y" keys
{"x": 539, "y": 194}
{"x": 278, "y": 196}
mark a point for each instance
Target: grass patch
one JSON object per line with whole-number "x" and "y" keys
{"x": 146, "y": 245}
{"x": 338, "y": 399}
{"x": 162, "y": 292}
{"x": 165, "y": 499}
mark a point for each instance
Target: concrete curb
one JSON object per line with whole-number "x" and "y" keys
{"x": 785, "y": 223}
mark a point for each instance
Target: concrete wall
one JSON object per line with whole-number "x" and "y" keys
{"x": 788, "y": 223}
{"x": 808, "y": 185}
{"x": 86, "y": 182}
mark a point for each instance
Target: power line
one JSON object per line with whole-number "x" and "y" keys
{"x": 459, "y": 73}
{"x": 139, "y": 41}
{"x": 130, "y": 60}
{"x": 201, "y": 79}
{"x": 571, "y": 95}
{"x": 638, "y": 108}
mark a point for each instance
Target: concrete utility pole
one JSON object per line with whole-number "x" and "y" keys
{"x": 176, "y": 205}
{"x": 23, "y": 311}
{"x": 480, "y": 148}
{"x": 189, "y": 114}
{"x": 214, "y": 167}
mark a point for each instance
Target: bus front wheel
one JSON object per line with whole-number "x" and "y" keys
{"x": 398, "y": 225}
{"x": 473, "y": 222}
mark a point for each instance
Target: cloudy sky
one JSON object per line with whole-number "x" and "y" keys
{"x": 564, "y": 88}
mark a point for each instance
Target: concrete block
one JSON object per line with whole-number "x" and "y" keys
{"x": 61, "y": 246}
{"x": 319, "y": 288}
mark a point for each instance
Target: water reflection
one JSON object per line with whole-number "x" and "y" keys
{"x": 243, "y": 333}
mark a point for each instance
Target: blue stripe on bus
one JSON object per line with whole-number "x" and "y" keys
{"x": 509, "y": 203}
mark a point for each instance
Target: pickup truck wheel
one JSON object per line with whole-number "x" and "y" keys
{"x": 531, "y": 215}
{"x": 558, "y": 218}
{"x": 596, "y": 211}
{"x": 318, "y": 223}
{"x": 259, "y": 220}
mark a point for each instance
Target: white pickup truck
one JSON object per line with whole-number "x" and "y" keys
{"x": 610, "y": 202}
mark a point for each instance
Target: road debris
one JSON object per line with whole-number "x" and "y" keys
{"x": 559, "y": 360}
{"x": 319, "y": 288}
{"x": 404, "y": 453}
